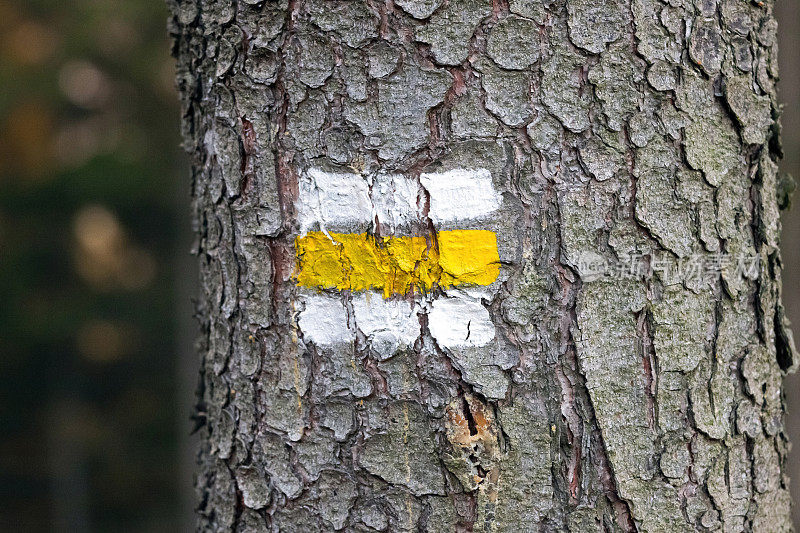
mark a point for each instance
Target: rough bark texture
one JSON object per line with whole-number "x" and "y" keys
{"x": 637, "y": 402}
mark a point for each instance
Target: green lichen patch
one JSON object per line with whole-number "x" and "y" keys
{"x": 514, "y": 43}
{"x": 449, "y": 30}
{"x": 405, "y": 454}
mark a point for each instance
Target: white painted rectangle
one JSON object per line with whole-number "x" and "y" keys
{"x": 388, "y": 324}
{"x": 323, "y": 321}
{"x": 460, "y": 194}
{"x": 395, "y": 198}
{"x": 334, "y": 200}
{"x": 460, "y": 321}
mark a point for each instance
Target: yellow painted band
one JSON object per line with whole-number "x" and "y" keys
{"x": 396, "y": 264}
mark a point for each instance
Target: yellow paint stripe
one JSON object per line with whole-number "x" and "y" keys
{"x": 396, "y": 264}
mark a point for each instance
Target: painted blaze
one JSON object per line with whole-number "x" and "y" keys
{"x": 338, "y": 249}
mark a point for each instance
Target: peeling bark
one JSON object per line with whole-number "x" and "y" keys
{"x": 587, "y": 381}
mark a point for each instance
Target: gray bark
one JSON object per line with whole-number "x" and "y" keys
{"x": 636, "y": 401}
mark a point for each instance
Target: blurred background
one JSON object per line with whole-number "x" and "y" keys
{"x": 96, "y": 369}
{"x": 95, "y": 275}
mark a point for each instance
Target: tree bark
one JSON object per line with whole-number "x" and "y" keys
{"x": 483, "y": 265}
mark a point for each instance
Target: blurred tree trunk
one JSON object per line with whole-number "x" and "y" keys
{"x": 789, "y": 94}
{"x": 590, "y": 335}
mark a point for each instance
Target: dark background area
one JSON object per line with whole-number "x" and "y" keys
{"x": 789, "y": 89}
{"x": 95, "y": 275}
{"x": 96, "y": 363}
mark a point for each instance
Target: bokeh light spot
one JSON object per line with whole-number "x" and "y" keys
{"x": 84, "y": 84}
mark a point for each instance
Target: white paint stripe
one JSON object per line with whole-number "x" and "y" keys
{"x": 459, "y": 321}
{"x": 337, "y": 201}
{"x": 455, "y": 321}
{"x": 460, "y": 194}
{"x": 332, "y": 199}
{"x": 389, "y": 324}
{"x": 324, "y": 320}
{"x": 395, "y": 200}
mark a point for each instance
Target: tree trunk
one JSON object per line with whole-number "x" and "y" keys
{"x": 487, "y": 266}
